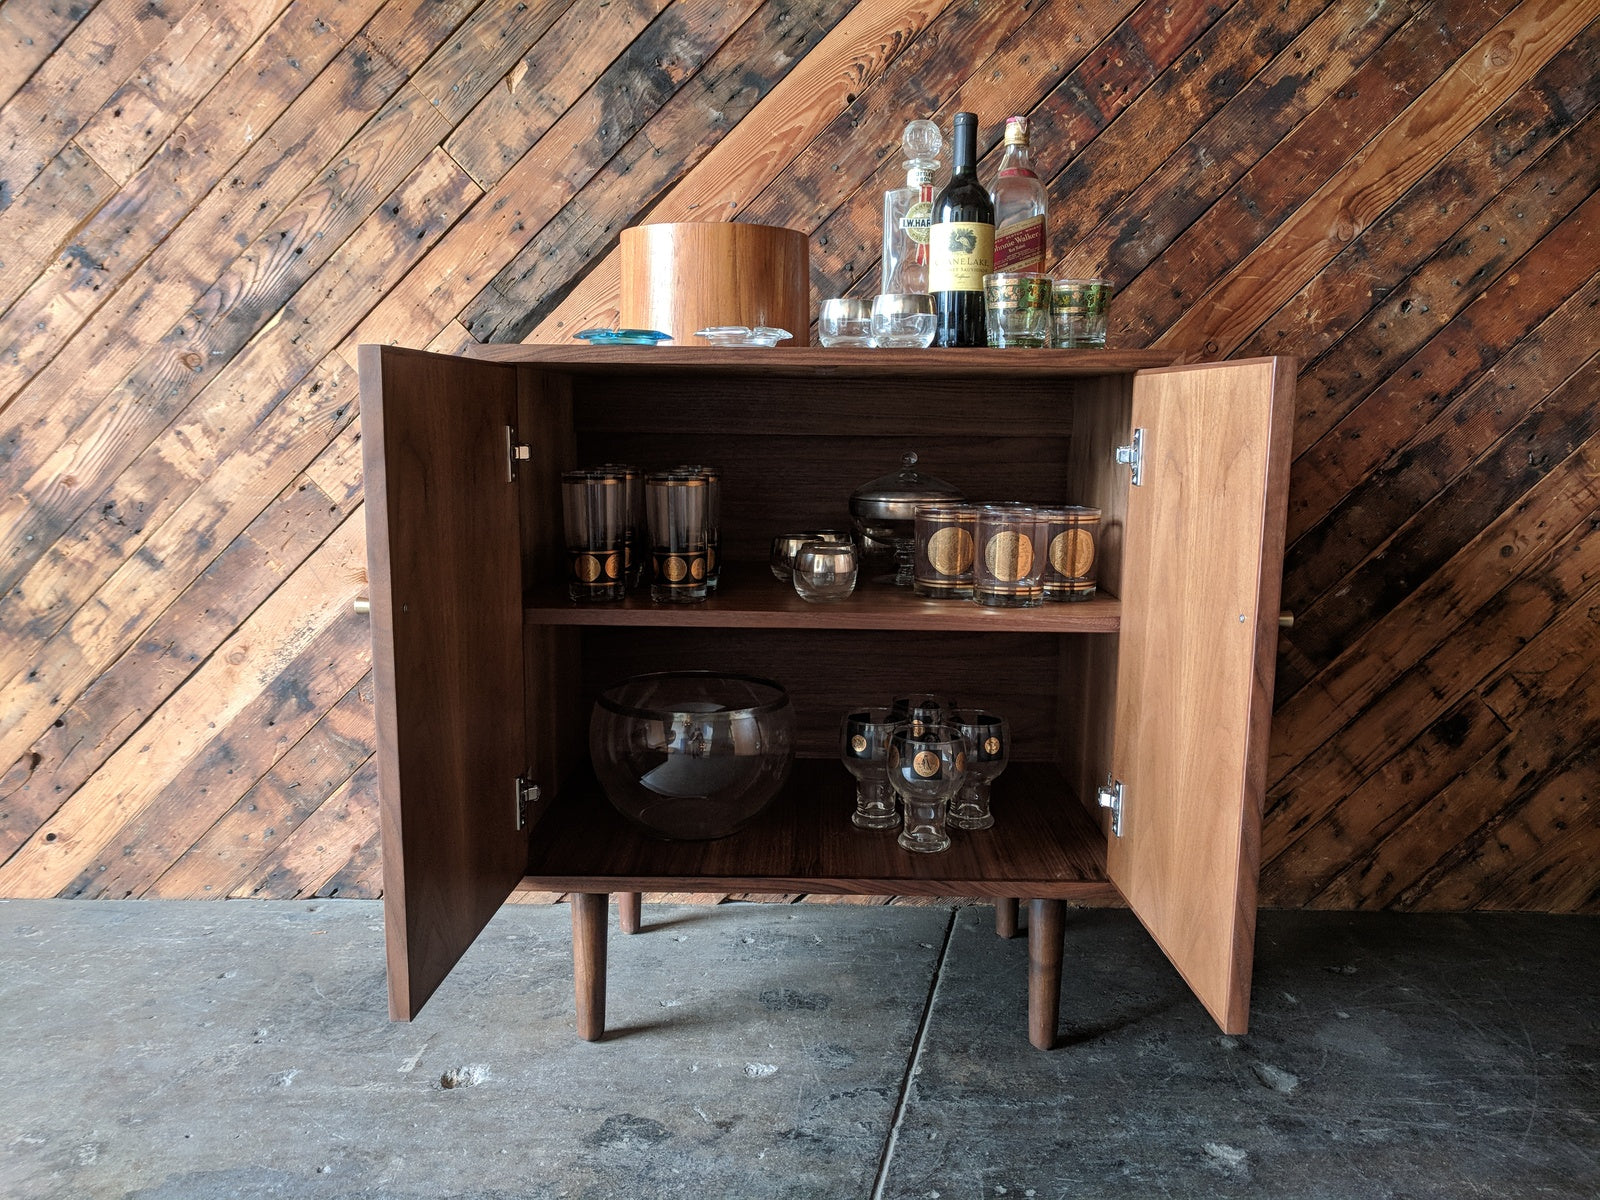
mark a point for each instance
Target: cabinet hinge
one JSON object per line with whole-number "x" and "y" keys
{"x": 1133, "y": 456}
{"x": 515, "y": 452}
{"x": 1111, "y": 797}
{"x": 528, "y": 794}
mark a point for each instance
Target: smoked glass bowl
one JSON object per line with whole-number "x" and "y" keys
{"x": 692, "y": 755}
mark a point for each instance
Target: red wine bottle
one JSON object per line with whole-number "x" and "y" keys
{"x": 961, "y": 245}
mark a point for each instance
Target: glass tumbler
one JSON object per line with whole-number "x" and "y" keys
{"x": 864, "y": 747}
{"x": 1069, "y": 535}
{"x": 1079, "y": 308}
{"x": 926, "y": 770}
{"x": 594, "y": 511}
{"x": 845, "y": 322}
{"x": 988, "y": 748}
{"x": 903, "y": 321}
{"x": 1008, "y": 570}
{"x": 825, "y": 571}
{"x": 945, "y": 535}
{"x": 675, "y": 506}
{"x": 786, "y": 545}
{"x": 1017, "y": 305}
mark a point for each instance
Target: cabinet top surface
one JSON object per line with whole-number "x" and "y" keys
{"x": 826, "y": 363}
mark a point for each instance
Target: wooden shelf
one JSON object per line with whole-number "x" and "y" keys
{"x": 1044, "y": 845}
{"x": 751, "y": 598}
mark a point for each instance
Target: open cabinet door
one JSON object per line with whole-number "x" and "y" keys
{"x": 443, "y": 563}
{"x": 1201, "y": 572}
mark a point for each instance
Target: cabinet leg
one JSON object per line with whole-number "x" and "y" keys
{"x": 589, "y": 961}
{"x": 1005, "y": 917}
{"x": 628, "y": 911}
{"x": 1047, "y": 926}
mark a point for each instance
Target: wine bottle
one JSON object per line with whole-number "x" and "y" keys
{"x": 961, "y": 244}
{"x": 1019, "y": 205}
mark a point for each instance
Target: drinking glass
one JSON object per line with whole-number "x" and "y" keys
{"x": 1017, "y": 305}
{"x": 675, "y": 504}
{"x": 864, "y": 746}
{"x": 1008, "y": 570}
{"x": 845, "y": 322}
{"x": 945, "y": 536}
{"x": 594, "y": 509}
{"x": 1068, "y": 536}
{"x": 988, "y": 747}
{"x": 903, "y": 320}
{"x": 926, "y": 770}
{"x": 922, "y": 710}
{"x": 786, "y": 545}
{"x": 825, "y": 571}
{"x": 1079, "y": 308}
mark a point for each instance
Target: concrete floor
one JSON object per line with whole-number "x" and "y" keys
{"x": 200, "y": 1051}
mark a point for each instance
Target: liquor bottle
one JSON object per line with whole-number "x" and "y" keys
{"x": 961, "y": 244}
{"x": 1019, "y": 205}
{"x": 908, "y": 213}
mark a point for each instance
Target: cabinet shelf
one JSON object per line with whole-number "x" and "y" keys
{"x": 751, "y": 598}
{"x": 1044, "y": 843}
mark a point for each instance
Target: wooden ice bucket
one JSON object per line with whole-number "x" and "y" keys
{"x": 684, "y": 276}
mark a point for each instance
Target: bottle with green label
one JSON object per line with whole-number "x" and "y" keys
{"x": 961, "y": 244}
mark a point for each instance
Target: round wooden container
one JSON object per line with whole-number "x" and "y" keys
{"x": 685, "y": 276}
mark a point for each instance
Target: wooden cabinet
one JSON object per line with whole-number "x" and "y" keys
{"x": 486, "y": 673}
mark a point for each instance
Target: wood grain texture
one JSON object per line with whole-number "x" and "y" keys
{"x": 198, "y": 226}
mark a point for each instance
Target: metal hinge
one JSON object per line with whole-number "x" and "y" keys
{"x": 515, "y": 452}
{"x": 528, "y": 794}
{"x": 1111, "y": 797}
{"x": 1133, "y": 456}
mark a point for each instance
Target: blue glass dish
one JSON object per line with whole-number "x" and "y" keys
{"x": 623, "y": 337}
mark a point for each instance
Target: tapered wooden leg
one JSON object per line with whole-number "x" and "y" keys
{"x": 1005, "y": 917}
{"x": 589, "y": 961}
{"x": 628, "y": 911}
{"x": 1047, "y": 926}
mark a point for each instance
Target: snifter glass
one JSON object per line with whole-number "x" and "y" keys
{"x": 988, "y": 749}
{"x": 925, "y": 770}
{"x": 864, "y": 748}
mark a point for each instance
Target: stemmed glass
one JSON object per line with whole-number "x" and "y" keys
{"x": 926, "y": 767}
{"x": 988, "y": 747}
{"x": 864, "y": 746}
{"x": 922, "y": 710}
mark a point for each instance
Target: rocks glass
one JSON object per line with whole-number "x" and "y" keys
{"x": 864, "y": 747}
{"x": 1008, "y": 570}
{"x": 845, "y": 322}
{"x": 946, "y": 538}
{"x": 1017, "y": 304}
{"x": 825, "y": 571}
{"x": 1069, "y": 537}
{"x": 903, "y": 320}
{"x": 1078, "y": 312}
{"x": 786, "y": 545}
{"x": 988, "y": 748}
{"x": 926, "y": 768}
{"x": 594, "y": 509}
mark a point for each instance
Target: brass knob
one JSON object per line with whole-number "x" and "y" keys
{"x": 362, "y": 605}
{"x": 1286, "y": 620}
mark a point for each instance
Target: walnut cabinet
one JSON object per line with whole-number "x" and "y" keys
{"x": 1162, "y": 685}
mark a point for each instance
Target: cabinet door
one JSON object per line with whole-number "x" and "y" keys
{"x": 1201, "y": 571}
{"x": 443, "y": 562}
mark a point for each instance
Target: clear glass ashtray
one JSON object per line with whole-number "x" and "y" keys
{"x": 622, "y": 337}
{"x": 743, "y": 335}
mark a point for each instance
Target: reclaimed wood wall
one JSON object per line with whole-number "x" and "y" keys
{"x": 205, "y": 205}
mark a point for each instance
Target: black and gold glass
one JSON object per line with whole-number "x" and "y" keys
{"x": 864, "y": 749}
{"x": 946, "y": 543}
{"x": 1070, "y": 537}
{"x": 926, "y": 770}
{"x": 594, "y": 508}
{"x": 675, "y": 509}
{"x": 988, "y": 749}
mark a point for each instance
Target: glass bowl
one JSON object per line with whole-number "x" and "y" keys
{"x": 623, "y": 337}
{"x": 692, "y": 755}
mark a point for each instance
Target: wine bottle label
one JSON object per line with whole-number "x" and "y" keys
{"x": 962, "y": 253}
{"x": 1019, "y": 246}
{"x": 917, "y": 221}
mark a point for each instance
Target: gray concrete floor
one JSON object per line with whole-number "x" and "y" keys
{"x": 200, "y": 1051}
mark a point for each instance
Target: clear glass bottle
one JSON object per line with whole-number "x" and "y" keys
{"x": 1020, "y": 208}
{"x": 908, "y": 213}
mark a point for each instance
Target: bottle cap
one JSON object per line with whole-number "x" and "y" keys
{"x": 1016, "y": 131}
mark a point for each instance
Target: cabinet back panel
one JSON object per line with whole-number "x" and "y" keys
{"x": 1013, "y": 674}
{"x": 787, "y": 407}
{"x": 773, "y": 485}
